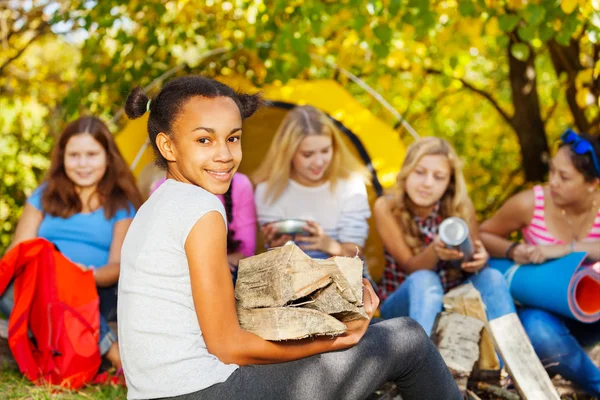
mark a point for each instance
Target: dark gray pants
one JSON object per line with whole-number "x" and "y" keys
{"x": 395, "y": 350}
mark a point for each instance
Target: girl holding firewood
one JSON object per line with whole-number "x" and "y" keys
{"x": 178, "y": 328}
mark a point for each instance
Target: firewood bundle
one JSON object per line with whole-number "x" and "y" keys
{"x": 284, "y": 294}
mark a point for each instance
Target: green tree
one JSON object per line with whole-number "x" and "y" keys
{"x": 481, "y": 73}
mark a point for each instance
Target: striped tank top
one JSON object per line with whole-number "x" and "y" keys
{"x": 537, "y": 233}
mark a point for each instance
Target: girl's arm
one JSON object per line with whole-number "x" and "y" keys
{"x": 108, "y": 274}
{"x": 549, "y": 252}
{"x": 28, "y": 225}
{"x": 392, "y": 236}
{"x": 214, "y": 301}
{"x": 512, "y": 216}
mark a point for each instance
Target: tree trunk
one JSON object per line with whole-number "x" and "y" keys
{"x": 566, "y": 60}
{"x": 527, "y": 118}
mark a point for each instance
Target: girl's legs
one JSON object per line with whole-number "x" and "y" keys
{"x": 108, "y": 312}
{"x": 108, "y": 344}
{"x": 494, "y": 292}
{"x": 108, "y": 302}
{"x": 558, "y": 350}
{"x": 419, "y": 297}
{"x": 393, "y": 350}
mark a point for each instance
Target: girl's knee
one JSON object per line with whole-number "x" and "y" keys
{"x": 493, "y": 278}
{"x": 409, "y": 334}
{"x": 424, "y": 279}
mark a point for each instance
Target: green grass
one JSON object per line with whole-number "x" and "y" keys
{"x": 14, "y": 387}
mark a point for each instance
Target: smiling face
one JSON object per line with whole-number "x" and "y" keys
{"x": 85, "y": 160}
{"x": 205, "y": 146}
{"x": 428, "y": 181}
{"x": 311, "y": 160}
{"x": 567, "y": 184}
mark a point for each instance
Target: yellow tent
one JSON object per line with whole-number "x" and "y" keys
{"x": 372, "y": 140}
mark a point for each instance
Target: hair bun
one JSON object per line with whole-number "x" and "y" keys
{"x": 249, "y": 103}
{"x": 136, "y": 103}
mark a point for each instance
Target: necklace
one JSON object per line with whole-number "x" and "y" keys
{"x": 575, "y": 232}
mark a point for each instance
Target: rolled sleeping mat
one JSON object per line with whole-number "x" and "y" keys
{"x": 563, "y": 286}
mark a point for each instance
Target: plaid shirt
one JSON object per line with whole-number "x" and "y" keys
{"x": 394, "y": 275}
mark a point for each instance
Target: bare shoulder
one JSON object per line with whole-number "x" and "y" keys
{"x": 516, "y": 211}
{"x": 523, "y": 201}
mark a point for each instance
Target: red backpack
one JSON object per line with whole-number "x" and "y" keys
{"x": 54, "y": 327}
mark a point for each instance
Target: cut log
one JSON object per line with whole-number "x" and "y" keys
{"x": 526, "y": 370}
{"x": 277, "y": 277}
{"x": 466, "y": 300}
{"x": 457, "y": 338}
{"x": 349, "y": 275}
{"x": 287, "y": 323}
{"x": 339, "y": 279}
{"x": 330, "y": 300}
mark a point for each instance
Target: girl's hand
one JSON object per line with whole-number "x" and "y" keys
{"x": 272, "y": 237}
{"x": 529, "y": 254}
{"x": 318, "y": 239}
{"x": 536, "y": 254}
{"x": 444, "y": 253}
{"x": 479, "y": 260}
{"x": 521, "y": 254}
{"x": 357, "y": 328}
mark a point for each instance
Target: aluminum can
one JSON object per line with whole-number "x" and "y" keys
{"x": 454, "y": 232}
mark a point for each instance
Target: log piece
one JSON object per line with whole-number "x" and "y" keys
{"x": 330, "y": 300}
{"x": 457, "y": 338}
{"x": 285, "y": 323}
{"x": 526, "y": 370}
{"x": 347, "y": 273}
{"x": 277, "y": 277}
{"x": 466, "y": 300}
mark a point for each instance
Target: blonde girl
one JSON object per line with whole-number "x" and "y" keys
{"x": 309, "y": 174}
{"x": 419, "y": 270}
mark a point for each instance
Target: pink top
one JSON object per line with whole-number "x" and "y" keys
{"x": 537, "y": 233}
{"x": 243, "y": 209}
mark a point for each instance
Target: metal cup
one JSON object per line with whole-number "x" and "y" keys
{"x": 454, "y": 232}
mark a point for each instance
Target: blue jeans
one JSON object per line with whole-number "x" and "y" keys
{"x": 420, "y": 296}
{"x": 107, "y": 336}
{"x": 559, "y": 343}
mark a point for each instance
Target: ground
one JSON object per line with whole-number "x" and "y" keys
{"x": 14, "y": 387}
